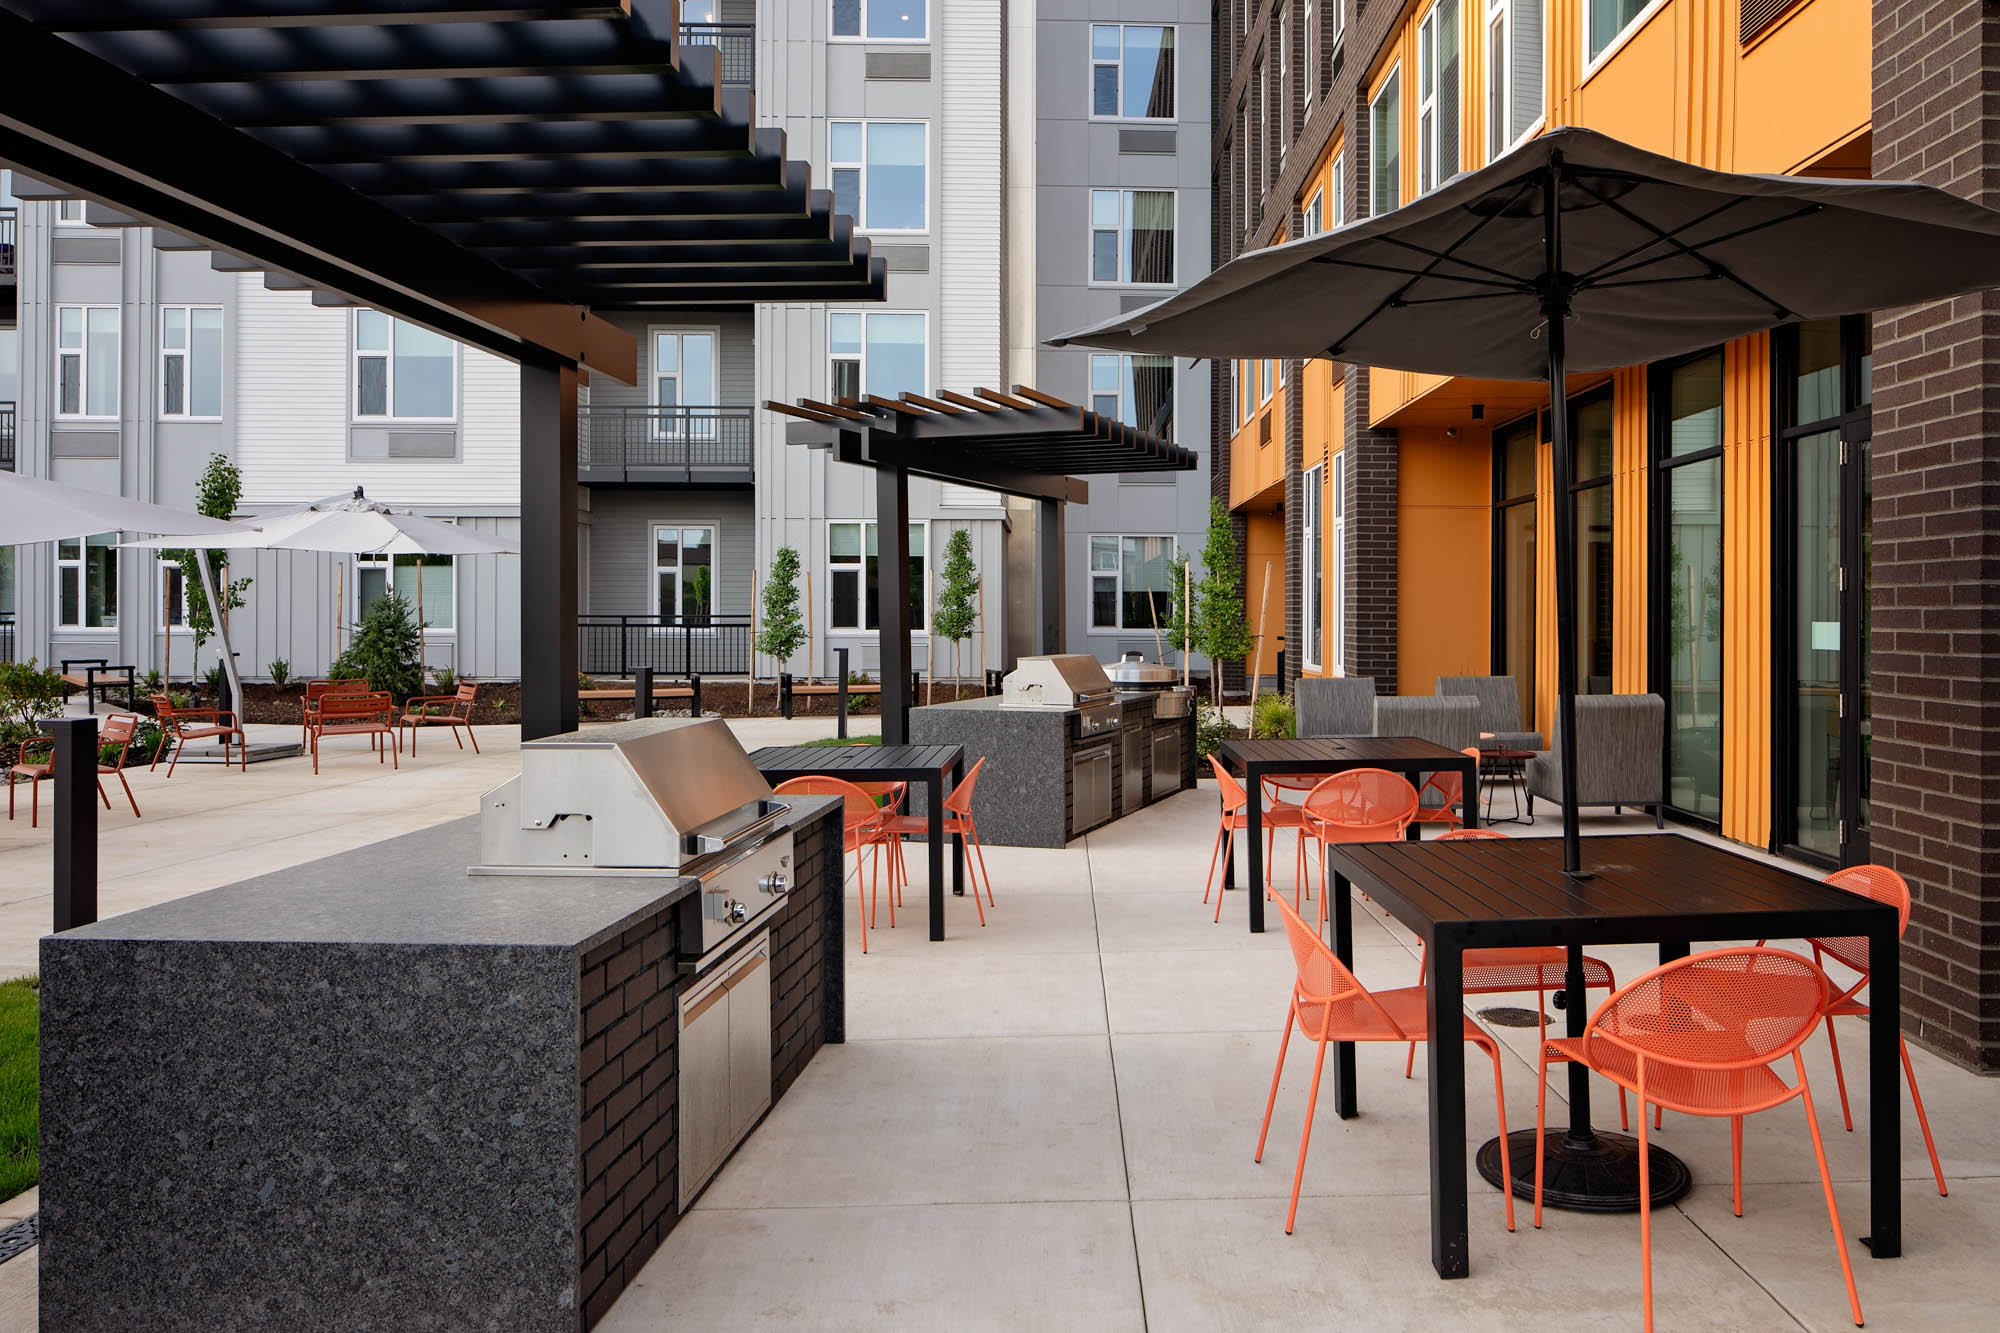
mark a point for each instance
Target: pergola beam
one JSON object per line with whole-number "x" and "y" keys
{"x": 579, "y": 140}
{"x": 67, "y": 16}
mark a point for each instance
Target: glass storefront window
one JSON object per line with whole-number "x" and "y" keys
{"x": 1689, "y": 486}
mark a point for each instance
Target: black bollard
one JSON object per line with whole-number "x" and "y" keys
{"x": 694, "y": 694}
{"x": 840, "y": 723}
{"x": 642, "y": 692}
{"x": 785, "y": 694}
{"x": 74, "y": 769}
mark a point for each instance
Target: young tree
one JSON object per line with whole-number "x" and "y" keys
{"x": 955, "y": 614}
{"x": 1222, "y": 624}
{"x": 216, "y": 496}
{"x": 1176, "y": 629}
{"x": 783, "y": 630}
{"x": 384, "y": 651}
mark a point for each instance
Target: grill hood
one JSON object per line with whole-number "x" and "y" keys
{"x": 654, "y": 793}
{"x": 1062, "y": 680}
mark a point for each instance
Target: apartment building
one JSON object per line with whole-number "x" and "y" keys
{"x": 1778, "y": 536}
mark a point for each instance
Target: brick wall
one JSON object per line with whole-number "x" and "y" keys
{"x": 808, "y": 967}
{"x": 1935, "y": 636}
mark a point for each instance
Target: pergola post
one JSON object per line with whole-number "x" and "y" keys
{"x": 548, "y": 550}
{"x": 1048, "y": 576}
{"x": 892, "y": 597}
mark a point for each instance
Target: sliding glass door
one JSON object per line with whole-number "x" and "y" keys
{"x": 1687, "y": 560}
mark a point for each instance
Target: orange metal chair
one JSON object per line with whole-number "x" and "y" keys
{"x": 1536, "y": 968}
{"x": 181, "y": 725}
{"x": 861, "y": 821}
{"x": 888, "y": 798}
{"x": 1884, "y": 886}
{"x": 957, "y": 824}
{"x": 119, "y": 729}
{"x": 452, "y": 710}
{"x": 1329, "y": 1005}
{"x": 1236, "y": 817}
{"x": 1449, "y": 788}
{"x": 1701, "y": 1035}
{"x": 1360, "y": 805}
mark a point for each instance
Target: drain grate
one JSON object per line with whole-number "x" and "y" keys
{"x": 1504, "y": 1017}
{"x": 21, "y": 1237}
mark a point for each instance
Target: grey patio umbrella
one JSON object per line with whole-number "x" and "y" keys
{"x": 1574, "y": 241}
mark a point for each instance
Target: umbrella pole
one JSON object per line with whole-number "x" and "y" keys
{"x": 1555, "y": 309}
{"x": 221, "y": 631}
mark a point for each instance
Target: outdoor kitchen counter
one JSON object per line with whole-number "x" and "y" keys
{"x": 1033, "y": 753}
{"x": 374, "y": 1091}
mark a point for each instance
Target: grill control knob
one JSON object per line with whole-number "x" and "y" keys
{"x": 775, "y": 883}
{"x": 733, "y": 911}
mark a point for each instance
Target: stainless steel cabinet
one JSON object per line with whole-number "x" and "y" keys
{"x": 725, "y": 1062}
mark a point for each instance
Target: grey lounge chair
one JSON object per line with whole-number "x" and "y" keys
{"x": 1452, "y": 723}
{"x": 1499, "y": 710}
{"x": 1335, "y": 705}
{"x": 1619, "y": 759}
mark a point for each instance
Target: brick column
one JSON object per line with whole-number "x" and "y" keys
{"x": 1935, "y": 636}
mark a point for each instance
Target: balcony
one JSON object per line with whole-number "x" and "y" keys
{"x": 8, "y": 458}
{"x": 664, "y": 446}
{"x": 736, "y": 48}
{"x": 708, "y": 645}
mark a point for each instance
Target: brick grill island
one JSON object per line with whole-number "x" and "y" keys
{"x": 376, "y": 1092}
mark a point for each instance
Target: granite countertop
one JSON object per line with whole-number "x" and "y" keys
{"x": 991, "y": 704}
{"x": 411, "y": 889}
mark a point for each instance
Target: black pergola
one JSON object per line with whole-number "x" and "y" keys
{"x": 1024, "y": 443}
{"x": 499, "y": 171}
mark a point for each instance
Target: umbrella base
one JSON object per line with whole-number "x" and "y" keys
{"x": 255, "y": 753}
{"x": 1600, "y": 1178}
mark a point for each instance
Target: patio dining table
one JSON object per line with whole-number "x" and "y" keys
{"x": 936, "y": 768}
{"x": 1275, "y": 757}
{"x": 1652, "y": 888}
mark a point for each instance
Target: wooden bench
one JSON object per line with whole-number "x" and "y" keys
{"x": 690, "y": 691}
{"x": 88, "y": 679}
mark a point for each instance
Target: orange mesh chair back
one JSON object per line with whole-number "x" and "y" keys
{"x": 1235, "y": 817}
{"x": 1701, "y": 1035}
{"x": 861, "y": 823}
{"x": 1330, "y": 1004}
{"x": 1449, "y": 788}
{"x": 1360, "y": 805}
{"x": 1851, "y": 951}
{"x": 957, "y": 824}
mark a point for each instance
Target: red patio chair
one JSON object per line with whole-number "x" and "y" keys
{"x": 957, "y": 824}
{"x": 1449, "y": 789}
{"x": 118, "y": 730}
{"x": 1360, "y": 805}
{"x": 182, "y": 725}
{"x": 1329, "y": 1005}
{"x": 1702, "y": 1035}
{"x": 861, "y": 831}
{"x": 1235, "y": 818}
{"x": 451, "y": 710}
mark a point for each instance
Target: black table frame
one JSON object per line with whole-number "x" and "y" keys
{"x": 1254, "y": 760}
{"x": 1443, "y": 899}
{"x": 938, "y": 768}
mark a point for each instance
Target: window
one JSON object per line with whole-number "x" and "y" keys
{"x": 173, "y": 595}
{"x": 190, "y": 361}
{"x": 879, "y": 172}
{"x": 1513, "y": 72}
{"x": 880, "y": 20}
{"x": 1385, "y": 136}
{"x": 69, "y": 213}
{"x": 1338, "y": 216}
{"x": 1688, "y": 578}
{"x": 372, "y": 580}
{"x": 1339, "y": 10}
{"x": 853, "y": 581}
{"x": 1249, "y": 173}
{"x": 87, "y": 361}
{"x": 1312, "y": 56}
{"x": 1312, "y": 566}
{"x": 684, "y": 384}
{"x": 1131, "y": 71}
{"x": 1132, "y": 236}
{"x": 1314, "y": 220}
{"x": 1284, "y": 80}
{"x": 402, "y": 372}
{"x": 1590, "y": 434}
{"x": 1137, "y": 390}
{"x": 1514, "y": 478}
{"x": 877, "y": 352}
{"x": 1605, "y": 21}
{"x": 1337, "y": 613}
{"x": 684, "y": 573}
{"x": 87, "y": 582}
{"x": 1437, "y": 96}
{"x": 1130, "y": 581}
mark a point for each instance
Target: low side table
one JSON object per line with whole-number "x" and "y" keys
{"x": 1511, "y": 765}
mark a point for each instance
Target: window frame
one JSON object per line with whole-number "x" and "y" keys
{"x": 679, "y": 613}
{"x": 187, "y": 372}
{"x": 1337, "y": 604}
{"x": 833, "y": 164}
{"x": 1536, "y": 421}
{"x": 1312, "y": 218}
{"x": 82, "y": 353}
{"x": 80, "y": 563}
{"x": 1090, "y": 85}
{"x": 1338, "y": 192}
{"x": 1606, "y": 393}
{"x": 1311, "y": 34}
{"x": 1117, "y": 577}
{"x": 861, "y": 359}
{"x": 1616, "y": 43}
{"x": 1284, "y": 117}
{"x": 1392, "y": 80}
{"x": 663, "y": 428}
{"x": 387, "y": 563}
{"x": 1312, "y": 578}
{"x": 80, "y": 220}
{"x": 1126, "y": 199}
{"x": 1430, "y": 123}
{"x": 169, "y": 572}
{"x": 1503, "y": 11}
{"x": 1128, "y": 392}
{"x": 388, "y": 354}
{"x": 863, "y": 36}
{"x": 920, "y": 540}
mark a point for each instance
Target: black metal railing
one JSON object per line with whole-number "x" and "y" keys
{"x": 708, "y": 645}
{"x": 9, "y": 238}
{"x": 736, "y": 47}
{"x": 651, "y": 443}
{"x": 8, "y": 452}
{"x": 6, "y": 636}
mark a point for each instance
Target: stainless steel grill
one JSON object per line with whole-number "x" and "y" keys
{"x": 667, "y": 797}
{"x": 1064, "y": 681}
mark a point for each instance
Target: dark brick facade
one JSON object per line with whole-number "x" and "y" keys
{"x": 627, "y": 1067}
{"x": 1935, "y": 637}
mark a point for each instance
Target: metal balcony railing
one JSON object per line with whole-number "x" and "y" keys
{"x": 6, "y": 636}
{"x": 709, "y": 645}
{"x": 8, "y": 455}
{"x": 736, "y": 45}
{"x": 665, "y": 444}
{"x": 9, "y": 238}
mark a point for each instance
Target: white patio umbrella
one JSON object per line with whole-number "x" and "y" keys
{"x": 346, "y": 523}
